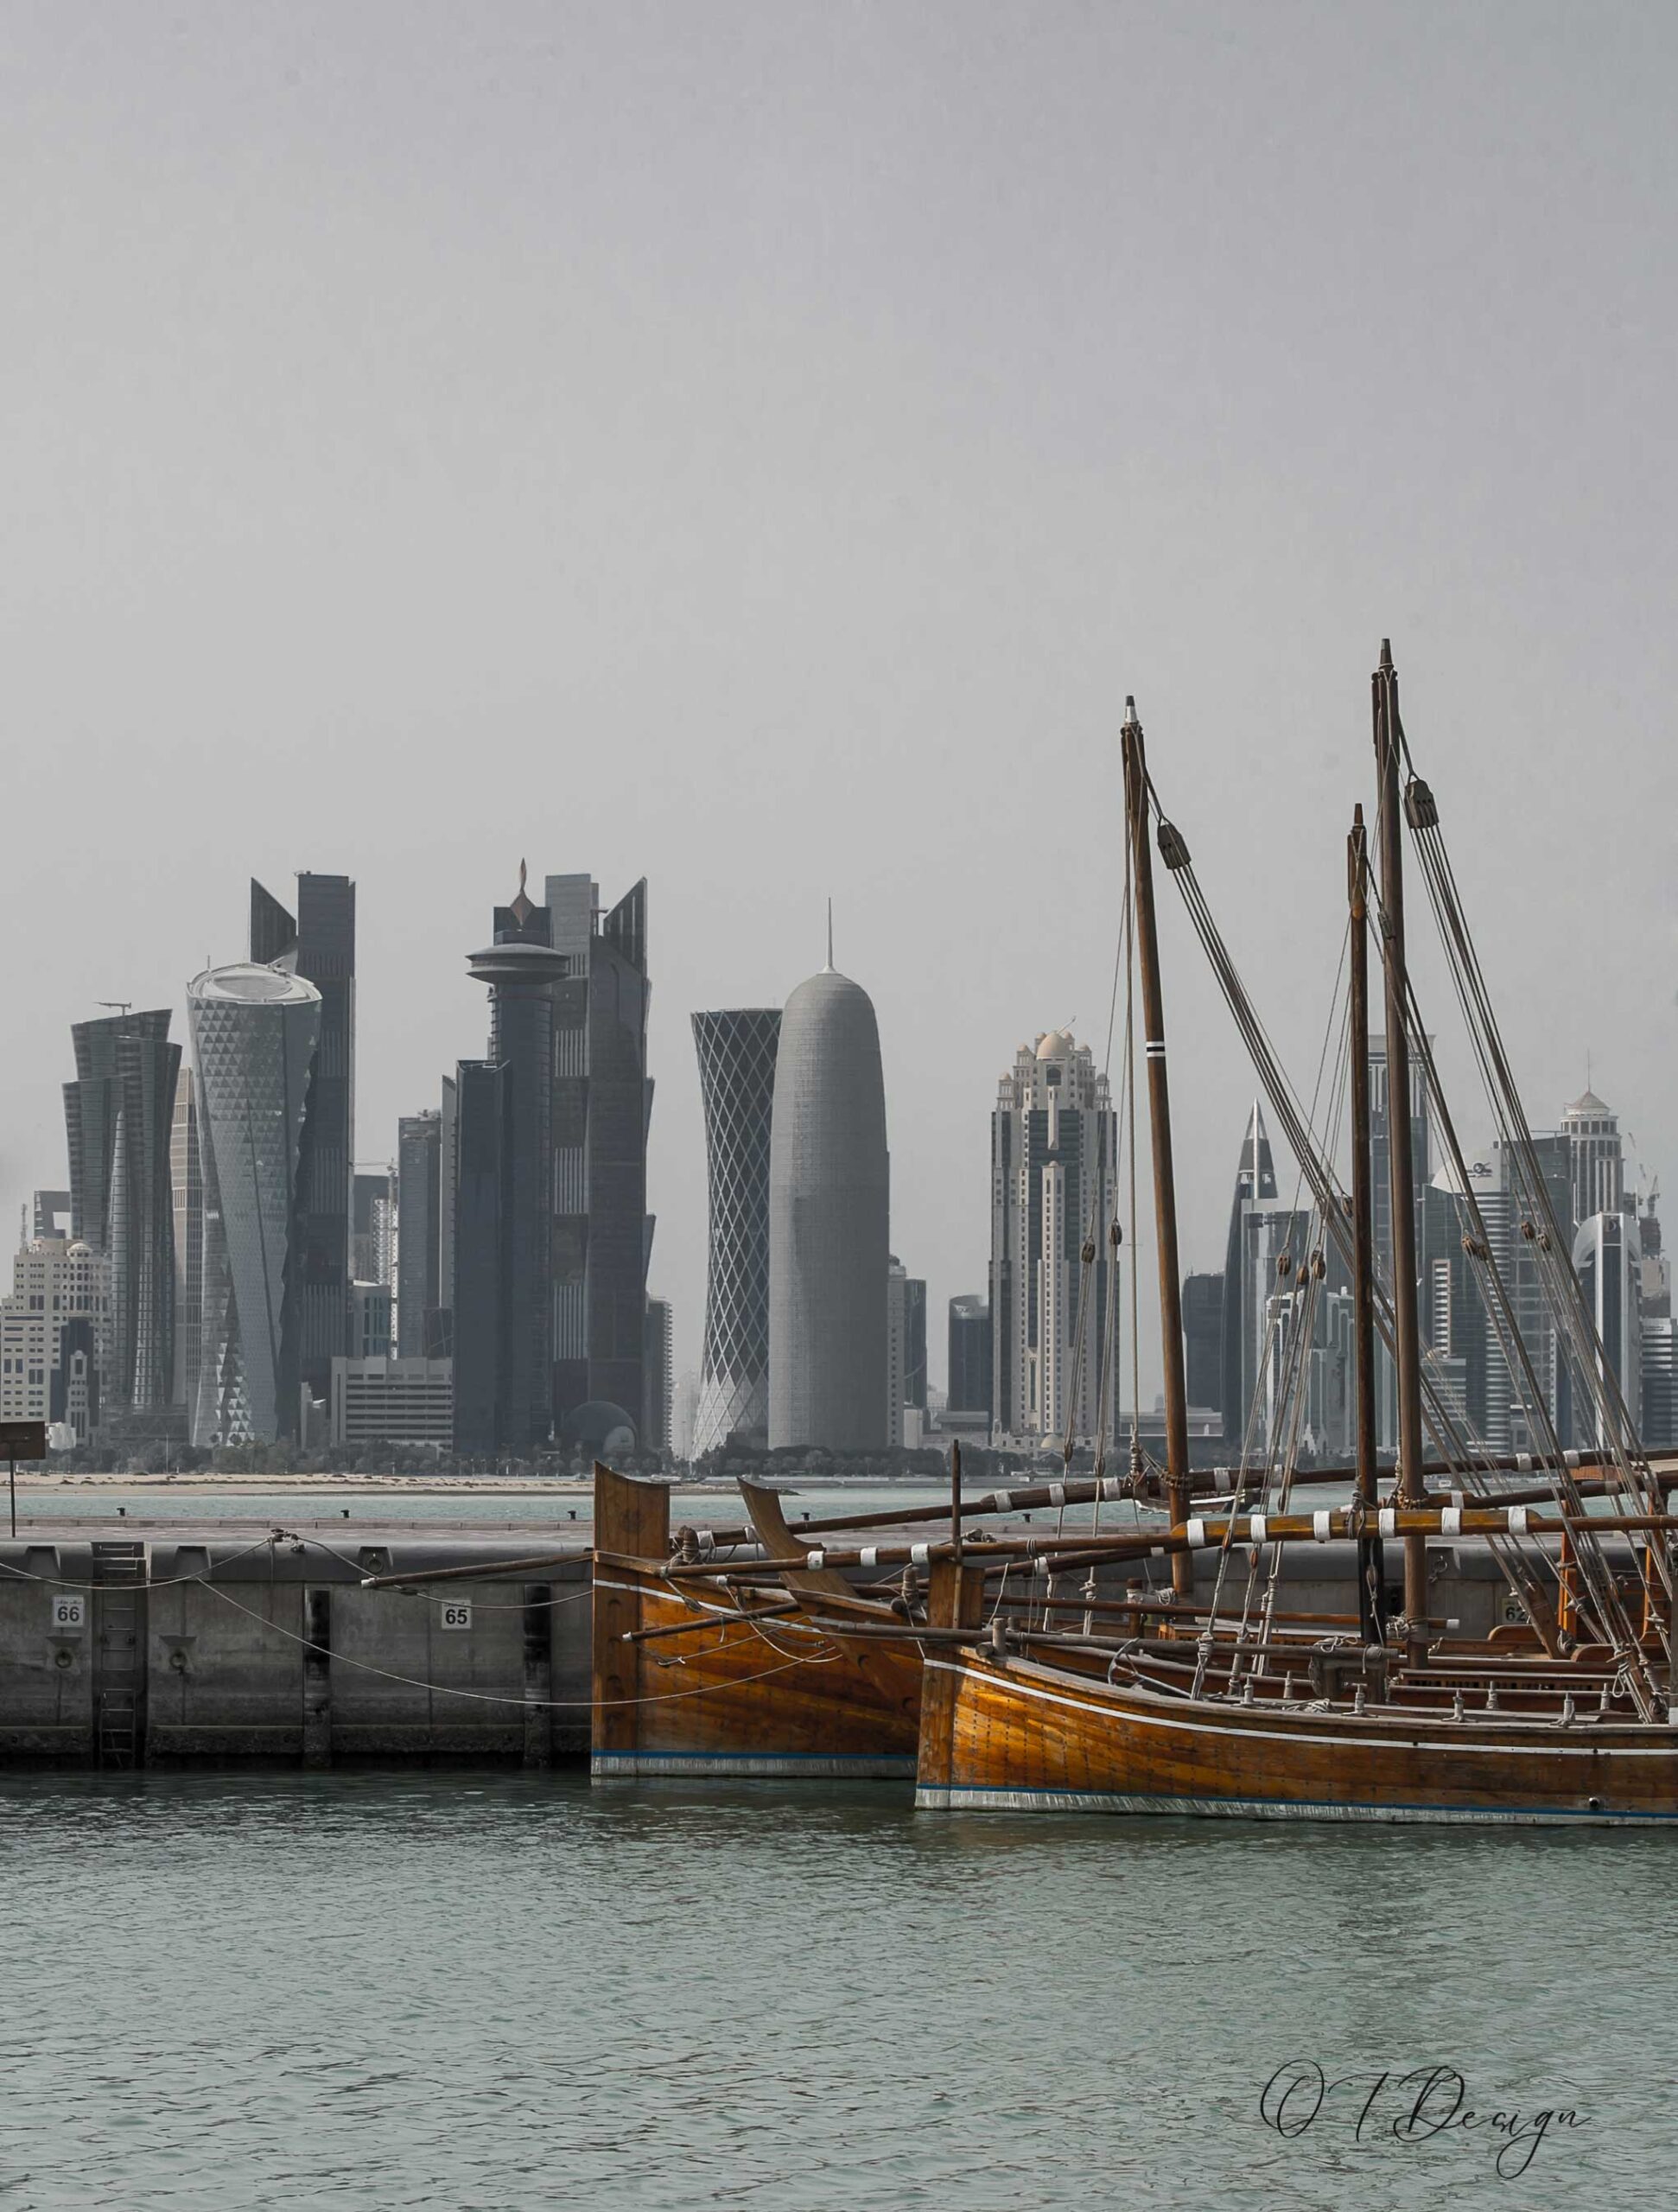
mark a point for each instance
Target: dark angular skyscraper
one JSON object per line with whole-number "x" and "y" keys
{"x": 419, "y": 1163}
{"x": 602, "y": 1104}
{"x": 504, "y": 1195}
{"x": 969, "y": 1354}
{"x": 479, "y": 1203}
{"x": 1202, "y": 1339}
{"x": 118, "y": 1114}
{"x": 319, "y": 944}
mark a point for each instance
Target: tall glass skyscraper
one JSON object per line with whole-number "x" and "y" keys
{"x": 419, "y": 1182}
{"x": 602, "y": 1107}
{"x": 319, "y": 944}
{"x": 1255, "y": 1183}
{"x": 736, "y": 1049}
{"x": 118, "y": 1115}
{"x": 504, "y": 1223}
{"x": 186, "y": 1193}
{"x": 1054, "y": 1153}
{"x": 254, "y": 1031}
{"x": 969, "y": 1354}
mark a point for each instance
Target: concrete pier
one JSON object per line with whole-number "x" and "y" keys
{"x": 218, "y": 1643}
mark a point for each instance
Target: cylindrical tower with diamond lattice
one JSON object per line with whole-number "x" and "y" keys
{"x": 736, "y": 1049}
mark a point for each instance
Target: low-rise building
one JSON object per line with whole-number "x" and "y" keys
{"x": 393, "y": 1401}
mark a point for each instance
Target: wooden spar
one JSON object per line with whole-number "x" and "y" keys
{"x": 1371, "y": 1587}
{"x": 1159, "y": 1108}
{"x": 1197, "y": 1534}
{"x": 1507, "y": 1463}
{"x": 1400, "y": 1182}
{"x": 710, "y": 1617}
{"x": 1078, "y": 1491}
{"x": 955, "y": 1495}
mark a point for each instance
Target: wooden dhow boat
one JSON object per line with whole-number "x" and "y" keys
{"x": 741, "y": 1651}
{"x": 1561, "y": 1714}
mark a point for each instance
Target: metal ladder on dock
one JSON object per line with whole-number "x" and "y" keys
{"x": 119, "y": 1573}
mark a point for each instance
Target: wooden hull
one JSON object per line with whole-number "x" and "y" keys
{"x": 1028, "y": 1736}
{"x": 738, "y": 1698}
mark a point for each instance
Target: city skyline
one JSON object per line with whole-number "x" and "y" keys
{"x": 687, "y": 1325}
{"x": 862, "y": 511}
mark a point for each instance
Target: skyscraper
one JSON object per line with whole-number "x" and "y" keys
{"x": 1054, "y": 1158}
{"x": 119, "y": 1113}
{"x": 1607, "y": 1257}
{"x": 969, "y": 1354}
{"x": 1499, "y": 1409}
{"x": 504, "y": 1224}
{"x": 446, "y": 1168}
{"x": 254, "y": 1031}
{"x": 50, "y": 1329}
{"x": 187, "y": 1196}
{"x": 1596, "y": 1156}
{"x": 419, "y": 1163}
{"x": 656, "y": 1412}
{"x": 905, "y": 1356}
{"x": 736, "y": 1049}
{"x": 481, "y": 1141}
{"x": 1659, "y": 1426}
{"x": 50, "y": 1215}
{"x": 1202, "y": 1339}
{"x": 319, "y": 945}
{"x": 1255, "y": 1181}
{"x": 601, "y": 1107}
{"x": 1381, "y": 1180}
{"x": 829, "y": 1207}
{"x": 373, "y": 1235}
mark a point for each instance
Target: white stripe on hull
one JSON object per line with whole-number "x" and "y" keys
{"x": 929, "y": 1799}
{"x": 1190, "y": 1718}
{"x": 784, "y": 1766}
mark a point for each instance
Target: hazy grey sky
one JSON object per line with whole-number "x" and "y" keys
{"x": 758, "y": 447}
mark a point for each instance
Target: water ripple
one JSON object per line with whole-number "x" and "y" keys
{"x": 465, "y": 1991}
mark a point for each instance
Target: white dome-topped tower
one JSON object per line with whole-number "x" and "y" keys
{"x": 829, "y": 1213}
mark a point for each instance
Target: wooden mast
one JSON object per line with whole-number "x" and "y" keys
{"x": 1372, "y": 1601}
{"x": 1159, "y": 1108}
{"x": 1401, "y": 1162}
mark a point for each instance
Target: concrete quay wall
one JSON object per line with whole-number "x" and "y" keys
{"x": 203, "y": 1646}
{"x": 203, "y": 1649}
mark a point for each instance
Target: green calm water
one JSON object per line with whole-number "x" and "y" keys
{"x": 475, "y": 1991}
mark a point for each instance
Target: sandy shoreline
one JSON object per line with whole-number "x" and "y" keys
{"x": 268, "y": 1485}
